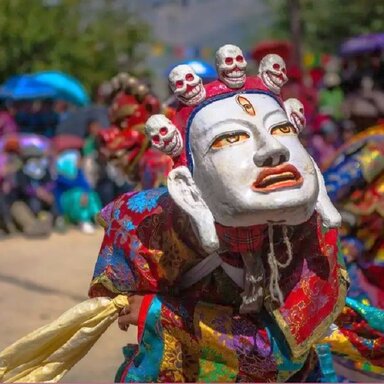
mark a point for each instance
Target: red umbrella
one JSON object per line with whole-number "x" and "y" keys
{"x": 279, "y": 47}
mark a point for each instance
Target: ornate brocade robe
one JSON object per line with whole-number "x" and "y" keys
{"x": 197, "y": 333}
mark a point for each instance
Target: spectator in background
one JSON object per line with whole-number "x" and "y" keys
{"x": 7, "y": 122}
{"x": 48, "y": 118}
{"x": 111, "y": 180}
{"x": 377, "y": 68}
{"x": 26, "y": 116}
{"x": 9, "y": 164}
{"x": 365, "y": 106}
{"x": 34, "y": 181}
{"x": 325, "y": 143}
{"x": 37, "y": 117}
{"x": 34, "y": 206}
{"x": 93, "y": 129}
{"x": 331, "y": 97}
{"x": 90, "y": 151}
{"x": 316, "y": 75}
{"x": 61, "y": 107}
{"x": 348, "y": 130}
{"x": 74, "y": 195}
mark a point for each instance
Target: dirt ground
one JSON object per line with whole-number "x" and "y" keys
{"x": 41, "y": 279}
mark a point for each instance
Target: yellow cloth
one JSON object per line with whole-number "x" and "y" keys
{"x": 46, "y": 354}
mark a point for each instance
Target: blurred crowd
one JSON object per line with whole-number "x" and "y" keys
{"x": 49, "y": 181}
{"x": 59, "y": 165}
{"x": 52, "y": 177}
{"x": 340, "y": 99}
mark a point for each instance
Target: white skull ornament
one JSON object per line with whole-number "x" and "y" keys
{"x": 295, "y": 113}
{"x": 164, "y": 135}
{"x": 273, "y": 72}
{"x": 231, "y": 66}
{"x": 186, "y": 85}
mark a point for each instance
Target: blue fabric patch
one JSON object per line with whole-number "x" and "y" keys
{"x": 147, "y": 362}
{"x": 280, "y": 350}
{"x": 145, "y": 200}
{"x": 114, "y": 263}
{"x": 128, "y": 225}
{"x": 340, "y": 177}
{"x": 326, "y": 363}
{"x": 373, "y": 316}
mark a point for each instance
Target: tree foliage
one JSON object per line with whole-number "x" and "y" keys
{"x": 327, "y": 23}
{"x": 75, "y": 36}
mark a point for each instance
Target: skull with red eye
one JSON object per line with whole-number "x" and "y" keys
{"x": 231, "y": 66}
{"x": 164, "y": 135}
{"x": 295, "y": 113}
{"x": 186, "y": 85}
{"x": 273, "y": 72}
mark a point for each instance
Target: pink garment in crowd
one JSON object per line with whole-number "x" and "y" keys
{"x": 7, "y": 124}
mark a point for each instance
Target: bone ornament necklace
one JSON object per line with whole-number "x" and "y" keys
{"x": 253, "y": 274}
{"x": 254, "y": 279}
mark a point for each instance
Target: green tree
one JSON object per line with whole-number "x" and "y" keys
{"x": 75, "y": 36}
{"x": 327, "y": 23}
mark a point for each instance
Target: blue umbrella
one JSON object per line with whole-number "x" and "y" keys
{"x": 26, "y": 87}
{"x": 67, "y": 87}
{"x": 203, "y": 69}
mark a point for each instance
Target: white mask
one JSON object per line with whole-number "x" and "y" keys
{"x": 249, "y": 164}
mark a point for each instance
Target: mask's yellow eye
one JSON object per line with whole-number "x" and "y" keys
{"x": 229, "y": 139}
{"x": 285, "y": 129}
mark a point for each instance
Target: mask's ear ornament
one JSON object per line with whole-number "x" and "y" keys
{"x": 324, "y": 207}
{"x": 164, "y": 135}
{"x": 187, "y": 196}
{"x": 186, "y": 85}
{"x": 231, "y": 66}
{"x": 273, "y": 72}
{"x": 295, "y": 113}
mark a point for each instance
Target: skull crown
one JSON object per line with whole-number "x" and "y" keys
{"x": 273, "y": 72}
{"x": 171, "y": 137}
{"x": 295, "y": 113}
{"x": 231, "y": 66}
{"x": 186, "y": 85}
{"x": 164, "y": 135}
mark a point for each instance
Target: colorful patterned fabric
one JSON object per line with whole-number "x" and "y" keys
{"x": 149, "y": 244}
{"x": 201, "y": 342}
{"x": 355, "y": 182}
{"x": 358, "y": 342}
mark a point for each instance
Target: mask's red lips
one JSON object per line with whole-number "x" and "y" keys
{"x": 276, "y": 178}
